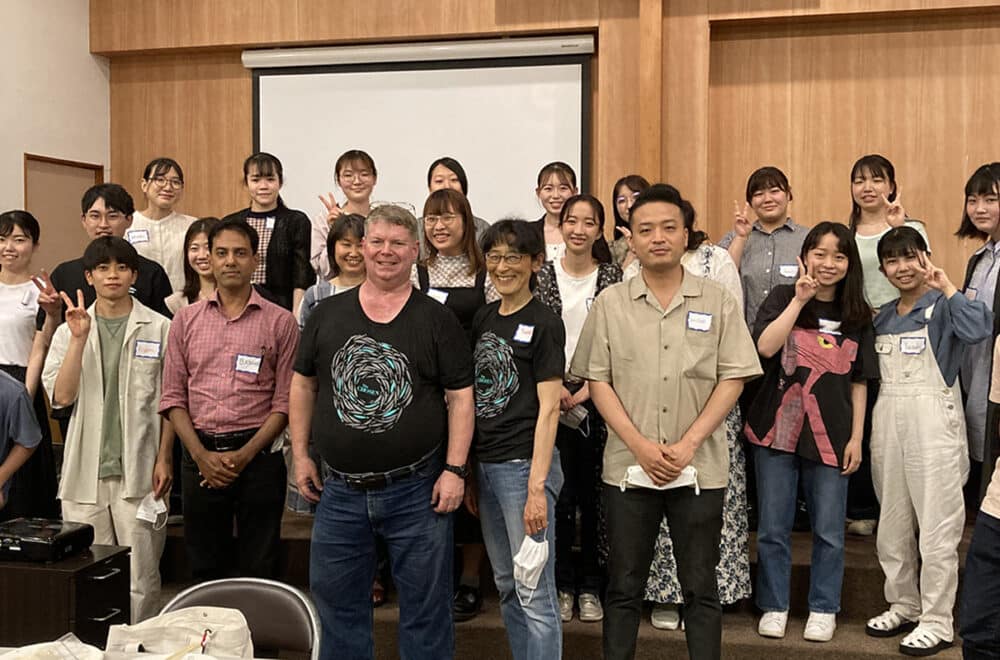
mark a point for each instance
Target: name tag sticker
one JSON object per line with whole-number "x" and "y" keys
{"x": 269, "y": 222}
{"x": 699, "y": 321}
{"x": 829, "y": 326}
{"x": 438, "y": 295}
{"x": 524, "y": 333}
{"x": 248, "y": 364}
{"x": 788, "y": 270}
{"x": 147, "y": 349}
{"x": 883, "y": 347}
{"x": 137, "y": 236}
{"x": 912, "y": 345}
{"x": 971, "y": 293}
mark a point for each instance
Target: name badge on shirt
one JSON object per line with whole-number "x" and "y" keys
{"x": 147, "y": 349}
{"x": 438, "y": 295}
{"x": 26, "y": 298}
{"x": 829, "y": 326}
{"x": 699, "y": 321}
{"x": 971, "y": 293}
{"x": 883, "y": 347}
{"x": 788, "y": 270}
{"x": 137, "y": 236}
{"x": 524, "y": 333}
{"x": 912, "y": 345}
{"x": 248, "y": 364}
{"x": 269, "y": 223}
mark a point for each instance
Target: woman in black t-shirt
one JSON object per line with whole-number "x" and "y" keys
{"x": 817, "y": 347}
{"x": 519, "y": 369}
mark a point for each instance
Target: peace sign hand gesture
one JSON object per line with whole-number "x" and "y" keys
{"x": 77, "y": 317}
{"x": 895, "y": 214}
{"x": 806, "y": 286}
{"x": 48, "y": 297}
{"x": 333, "y": 211}
{"x": 741, "y": 220}
{"x": 935, "y": 277}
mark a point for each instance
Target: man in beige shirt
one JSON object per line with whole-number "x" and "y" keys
{"x": 980, "y": 606}
{"x": 666, "y": 354}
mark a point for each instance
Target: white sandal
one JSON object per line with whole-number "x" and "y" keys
{"x": 889, "y": 624}
{"x": 921, "y": 643}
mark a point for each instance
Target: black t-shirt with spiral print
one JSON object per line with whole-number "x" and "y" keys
{"x": 513, "y": 353}
{"x": 380, "y": 401}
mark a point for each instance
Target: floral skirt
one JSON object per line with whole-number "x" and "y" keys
{"x": 733, "y": 571}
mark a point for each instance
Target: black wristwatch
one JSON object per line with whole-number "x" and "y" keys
{"x": 461, "y": 470}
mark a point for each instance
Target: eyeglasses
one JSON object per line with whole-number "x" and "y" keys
{"x": 349, "y": 175}
{"x": 622, "y": 199}
{"x": 511, "y": 258}
{"x": 163, "y": 182}
{"x": 448, "y": 219}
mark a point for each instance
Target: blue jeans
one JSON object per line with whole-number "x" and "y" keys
{"x": 342, "y": 566}
{"x": 534, "y": 630}
{"x": 979, "y": 616}
{"x": 778, "y": 474}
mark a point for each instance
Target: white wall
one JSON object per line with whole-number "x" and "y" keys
{"x": 54, "y": 97}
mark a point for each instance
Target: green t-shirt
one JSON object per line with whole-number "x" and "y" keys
{"x": 112, "y": 335}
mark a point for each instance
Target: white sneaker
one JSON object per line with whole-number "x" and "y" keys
{"x": 665, "y": 617}
{"x": 565, "y": 606}
{"x": 772, "y": 624}
{"x": 590, "y": 608}
{"x": 820, "y": 627}
{"x": 861, "y": 527}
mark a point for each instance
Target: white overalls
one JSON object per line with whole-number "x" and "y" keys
{"x": 919, "y": 463}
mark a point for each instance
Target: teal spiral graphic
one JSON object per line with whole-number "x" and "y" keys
{"x": 496, "y": 375}
{"x": 371, "y": 384}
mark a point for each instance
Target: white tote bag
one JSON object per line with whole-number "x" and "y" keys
{"x": 217, "y": 631}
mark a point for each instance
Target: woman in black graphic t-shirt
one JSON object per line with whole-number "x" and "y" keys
{"x": 520, "y": 363}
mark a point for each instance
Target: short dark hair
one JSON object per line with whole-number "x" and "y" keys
{"x": 160, "y": 166}
{"x": 454, "y": 166}
{"x": 354, "y": 156}
{"x": 765, "y": 178}
{"x": 27, "y": 223}
{"x": 984, "y": 181}
{"x": 115, "y": 198}
{"x": 873, "y": 165}
{"x": 106, "y": 249}
{"x": 667, "y": 194}
{"x": 266, "y": 165}
{"x": 900, "y": 242}
{"x": 519, "y": 236}
{"x": 240, "y": 226}
{"x": 635, "y": 183}
{"x": 347, "y": 224}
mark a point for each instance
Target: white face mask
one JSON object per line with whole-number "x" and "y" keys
{"x": 636, "y": 476}
{"x": 575, "y": 418}
{"x": 153, "y": 510}
{"x": 529, "y": 562}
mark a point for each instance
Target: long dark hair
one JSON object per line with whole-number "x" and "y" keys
{"x": 850, "y": 294}
{"x": 447, "y": 200}
{"x": 192, "y": 283}
{"x": 984, "y": 181}
{"x": 873, "y": 165}
{"x": 635, "y": 183}
{"x": 600, "y": 250}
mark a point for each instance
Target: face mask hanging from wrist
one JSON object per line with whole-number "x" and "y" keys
{"x": 153, "y": 510}
{"x": 529, "y": 562}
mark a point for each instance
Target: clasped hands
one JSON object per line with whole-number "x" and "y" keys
{"x": 664, "y": 463}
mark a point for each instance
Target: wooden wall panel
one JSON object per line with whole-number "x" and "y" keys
{"x": 195, "y": 108}
{"x": 813, "y": 97}
{"x": 123, "y": 26}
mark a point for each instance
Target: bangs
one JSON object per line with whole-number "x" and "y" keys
{"x": 517, "y": 235}
{"x": 766, "y": 181}
{"x": 983, "y": 182}
{"x": 161, "y": 166}
{"x": 871, "y": 167}
{"x": 440, "y": 205}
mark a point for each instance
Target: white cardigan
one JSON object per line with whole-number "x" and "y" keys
{"x": 139, "y": 385}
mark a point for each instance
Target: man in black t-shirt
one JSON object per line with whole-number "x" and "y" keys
{"x": 383, "y": 385}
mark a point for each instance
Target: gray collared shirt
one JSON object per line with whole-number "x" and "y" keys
{"x": 768, "y": 260}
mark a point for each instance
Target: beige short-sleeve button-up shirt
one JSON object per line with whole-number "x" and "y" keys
{"x": 665, "y": 364}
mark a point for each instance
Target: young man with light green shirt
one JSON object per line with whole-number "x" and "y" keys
{"x": 117, "y": 460}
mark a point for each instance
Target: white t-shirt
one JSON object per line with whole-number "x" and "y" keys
{"x": 18, "y": 308}
{"x": 162, "y": 241}
{"x": 577, "y": 294}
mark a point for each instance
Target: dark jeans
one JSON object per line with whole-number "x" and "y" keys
{"x": 633, "y": 520}
{"x": 861, "y": 501}
{"x": 979, "y": 616}
{"x": 581, "y": 458}
{"x": 342, "y": 566}
{"x": 256, "y": 499}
